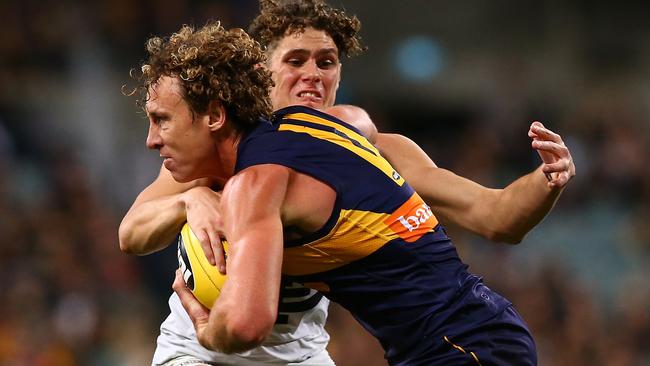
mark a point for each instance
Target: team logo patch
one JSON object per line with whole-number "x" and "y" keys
{"x": 412, "y": 220}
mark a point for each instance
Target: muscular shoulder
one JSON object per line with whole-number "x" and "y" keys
{"x": 258, "y": 180}
{"x": 357, "y": 117}
{"x": 303, "y": 202}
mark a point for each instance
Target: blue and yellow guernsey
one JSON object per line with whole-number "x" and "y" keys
{"x": 382, "y": 254}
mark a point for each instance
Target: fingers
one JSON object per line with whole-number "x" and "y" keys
{"x": 560, "y": 180}
{"x": 197, "y": 312}
{"x": 181, "y": 289}
{"x": 179, "y": 282}
{"x": 557, "y": 167}
{"x": 203, "y": 214}
{"x": 219, "y": 253}
{"x": 551, "y": 151}
{"x": 538, "y": 131}
{"x": 547, "y": 153}
{"x": 531, "y": 132}
{"x": 213, "y": 248}
{"x": 217, "y": 250}
{"x": 550, "y": 146}
{"x": 558, "y": 164}
{"x": 559, "y": 173}
{"x": 204, "y": 239}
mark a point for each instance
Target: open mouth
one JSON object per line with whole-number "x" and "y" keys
{"x": 309, "y": 94}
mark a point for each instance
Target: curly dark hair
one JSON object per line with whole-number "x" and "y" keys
{"x": 278, "y": 18}
{"x": 212, "y": 63}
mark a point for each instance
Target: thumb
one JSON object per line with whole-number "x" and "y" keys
{"x": 197, "y": 312}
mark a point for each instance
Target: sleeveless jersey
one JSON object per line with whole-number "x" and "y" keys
{"x": 382, "y": 254}
{"x": 297, "y": 336}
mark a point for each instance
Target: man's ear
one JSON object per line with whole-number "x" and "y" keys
{"x": 217, "y": 114}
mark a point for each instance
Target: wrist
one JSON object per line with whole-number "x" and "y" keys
{"x": 181, "y": 205}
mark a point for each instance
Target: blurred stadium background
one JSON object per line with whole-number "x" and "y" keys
{"x": 462, "y": 78}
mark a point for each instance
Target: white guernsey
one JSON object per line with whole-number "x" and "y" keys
{"x": 298, "y": 337}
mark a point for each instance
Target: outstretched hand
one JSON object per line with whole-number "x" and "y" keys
{"x": 204, "y": 218}
{"x": 556, "y": 157}
{"x": 198, "y": 313}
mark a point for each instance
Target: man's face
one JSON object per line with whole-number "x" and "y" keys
{"x": 184, "y": 143}
{"x": 306, "y": 70}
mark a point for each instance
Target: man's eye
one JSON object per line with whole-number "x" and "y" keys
{"x": 159, "y": 120}
{"x": 326, "y": 63}
{"x": 295, "y": 62}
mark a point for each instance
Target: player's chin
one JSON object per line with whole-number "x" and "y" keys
{"x": 316, "y": 104}
{"x": 180, "y": 175}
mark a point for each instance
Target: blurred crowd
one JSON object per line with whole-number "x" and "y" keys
{"x": 70, "y": 297}
{"x": 72, "y": 159}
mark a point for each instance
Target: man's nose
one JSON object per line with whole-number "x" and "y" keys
{"x": 154, "y": 141}
{"x": 311, "y": 71}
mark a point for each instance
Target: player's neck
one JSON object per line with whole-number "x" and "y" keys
{"x": 226, "y": 144}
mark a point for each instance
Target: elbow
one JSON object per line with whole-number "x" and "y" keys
{"x": 245, "y": 334}
{"x": 513, "y": 238}
{"x": 504, "y": 231}
{"x": 125, "y": 237}
{"x": 246, "y": 338}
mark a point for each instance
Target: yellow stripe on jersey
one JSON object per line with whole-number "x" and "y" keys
{"x": 376, "y": 160}
{"x": 356, "y": 235}
{"x": 324, "y": 122}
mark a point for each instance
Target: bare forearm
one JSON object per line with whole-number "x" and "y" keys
{"x": 247, "y": 308}
{"x": 504, "y": 215}
{"x": 221, "y": 335}
{"x": 522, "y": 205}
{"x": 159, "y": 211}
{"x": 525, "y": 202}
{"x": 252, "y": 288}
{"x": 151, "y": 226}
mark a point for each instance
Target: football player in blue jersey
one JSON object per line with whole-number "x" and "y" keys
{"x": 306, "y": 208}
{"x": 298, "y": 336}
{"x": 307, "y": 196}
{"x": 306, "y": 67}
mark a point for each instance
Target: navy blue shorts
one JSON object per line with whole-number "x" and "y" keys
{"x": 480, "y": 328}
{"x": 504, "y": 340}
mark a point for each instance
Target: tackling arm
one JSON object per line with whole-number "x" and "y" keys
{"x": 161, "y": 209}
{"x": 505, "y": 215}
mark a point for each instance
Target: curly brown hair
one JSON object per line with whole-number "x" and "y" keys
{"x": 277, "y": 19}
{"x": 212, "y": 63}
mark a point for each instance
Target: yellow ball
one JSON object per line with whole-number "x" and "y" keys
{"x": 203, "y": 279}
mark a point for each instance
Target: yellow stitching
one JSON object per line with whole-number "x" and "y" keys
{"x": 455, "y": 346}
{"x": 476, "y": 358}
{"x": 462, "y": 350}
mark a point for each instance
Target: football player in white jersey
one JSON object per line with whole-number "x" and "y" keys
{"x": 306, "y": 70}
